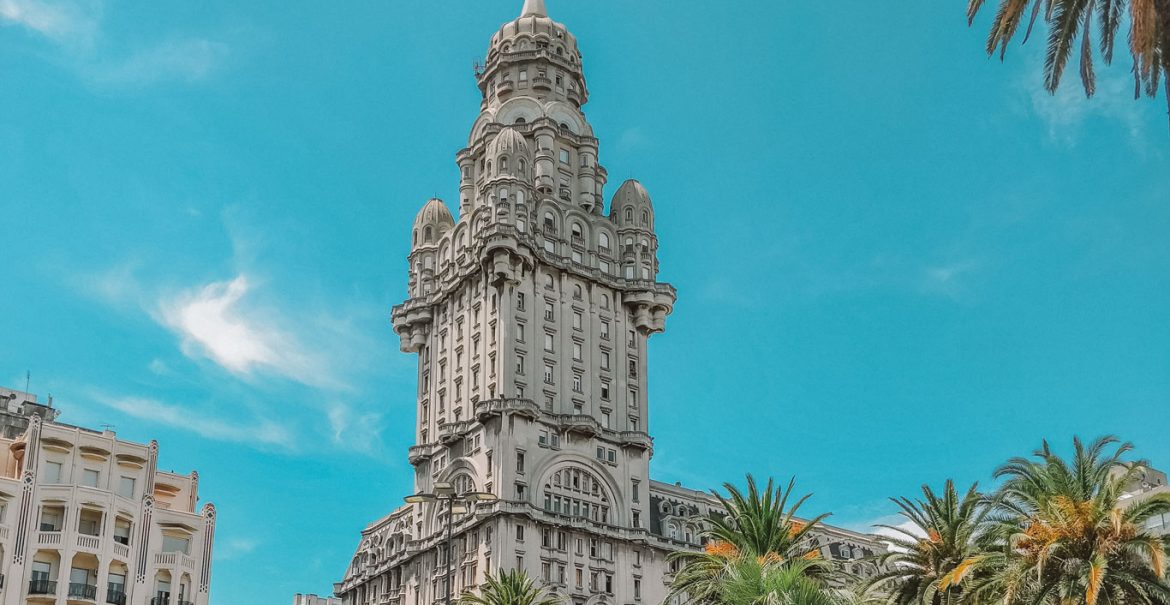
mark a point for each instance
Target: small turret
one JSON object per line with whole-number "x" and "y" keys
{"x": 431, "y": 223}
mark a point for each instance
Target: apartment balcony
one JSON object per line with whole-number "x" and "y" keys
{"x": 115, "y": 597}
{"x": 82, "y": 592}
{"x": 122, "y": 550}
{"x": 89, "y": 543}
{"x": 505, "y": 87}
{"x": 580, "y": 423}
{"x": 49, "y": 538}
{"x": 542, "y": 82}
{"x": 174, "y": 559}
{"x": 42, "y": 587}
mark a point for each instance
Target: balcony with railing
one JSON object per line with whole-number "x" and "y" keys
{"x": 115, "y": 596}
{"x": 87, "y": 542}
{"x": 42, "y": 587}
{"x": 82, "y": 592}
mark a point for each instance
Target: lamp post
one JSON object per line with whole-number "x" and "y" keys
{"x": 456, "y": 504}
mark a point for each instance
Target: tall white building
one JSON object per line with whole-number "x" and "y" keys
{"x": 88, "y": 518}
{"x": 530, "y": 315}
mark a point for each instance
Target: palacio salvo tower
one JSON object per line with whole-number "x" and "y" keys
{"x": 530, "y": 315}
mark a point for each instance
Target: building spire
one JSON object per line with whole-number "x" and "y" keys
{"x": 534, "y": 8}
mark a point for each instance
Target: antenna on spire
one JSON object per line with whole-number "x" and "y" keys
{"x": 534, "y": 8}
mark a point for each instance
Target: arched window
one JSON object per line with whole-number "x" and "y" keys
{"x": 503, "y": 165}
{"x": 629, "y": 213}
{"x": 521, "y": 120}
{"x": 428, "y": 234}
{"x": 604, "y": 301}
{"x": 577, "y": 292}
{"x": 463, "y": 484}
{"x": 548, "y": 281}
{"x": 577, "y": 234}
{"x": 520, "y": 167}
{"x": 489, "y": 167}
{"x": 503, "y": 194}
{"x": 576, "y": 492}
{"x": 645, "y": 218}
{"x": 603, "y": 240}
{"x": 550, "y": 223}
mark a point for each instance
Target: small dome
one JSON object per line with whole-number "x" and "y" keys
{"x": 432, "y": 222}
{"x": 508, "y": 142}
{"x": 631, "y": 191}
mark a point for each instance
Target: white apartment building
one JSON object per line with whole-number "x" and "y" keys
{"x": 88, "y": 518}
{"x": 531, "y": 315}
{"x": 312, "y": 599}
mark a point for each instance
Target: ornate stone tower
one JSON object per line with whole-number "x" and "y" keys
{"x": 530, "y": 315}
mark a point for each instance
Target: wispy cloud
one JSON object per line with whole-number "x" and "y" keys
{"x": 207, "y": 425}
{"x": 175, "y": 60}
{"x": 234, "y": 548}
{"x": 355, "y": 431}
{"x": 75, "y": 27}
{"x": 216, "y": 321}
{"x": 68, "y": 23}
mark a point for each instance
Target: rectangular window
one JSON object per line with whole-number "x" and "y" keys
{"x": 176, "y": 544}
{"x": 605, "y": 360}
{"x": 633, "y": 368}
{"x": 520, "y": 301}
{"x": 577, "y": 351}
{"x": 543, "y": 439}
{"x": 519, "y": 533}
{"x": 576, "y": 320}
{"x": 520, "y": 462}
{"x": 90, "y": 477}
{"x": 611, "y": 455}
{"x": 637, "y": 588}
{"x": 605, "y": 329}
{"x": 548, "y": 373}
{"x": 577, "y": 383}
{"x": 520, "y": 332}
{"x": 605, "y": 390}
{"x": 548, "y": 311}
{"x": 520, "y": 365}
{"x": 53, "y": 472}
{"x": 635, "y": 489}
{"x": 548, "y": 341}
{"x": 631, "y": 342}
{"x": 564, "y": 156}
{"x": 634, "y": 423}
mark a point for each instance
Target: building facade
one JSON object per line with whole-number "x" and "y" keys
{"x": 17, "y": 409}
{"x": 88, "y": 518}
{"x": 530, "y": 315}
{"x": 312, "y": 599}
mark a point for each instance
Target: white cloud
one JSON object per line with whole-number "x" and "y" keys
{"x": 1066, "y": 112}
{"x": 360, "y": 433}
{"x": 63, "y": 22}
{"x": 176, "y": 60}
{"x": 233, "y": 548}
{"x": 217, "y": 322}
{"x": 208, "y": 425}
{"x": 75, "y": 27}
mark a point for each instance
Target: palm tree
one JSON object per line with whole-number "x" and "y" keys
{"x": 510, "y": 587}
{"x": 1063, "y": 534}
{"x": 928, "y": 561}
{"x": 753, "y": 525}
{"x": 772, "y": 581}
{"x": 1149, "y": 36}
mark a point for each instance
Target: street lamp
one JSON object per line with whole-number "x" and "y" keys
{"x": 457, "y": 504}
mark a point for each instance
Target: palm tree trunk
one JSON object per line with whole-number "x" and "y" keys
{"x": 1163, "y": 10}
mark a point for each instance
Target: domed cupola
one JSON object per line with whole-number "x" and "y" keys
{"x": 533, "y": 56}
{"x": 510, "y": 154}
{"x": 631, "y": 207}
{"x": 431, "y": 223}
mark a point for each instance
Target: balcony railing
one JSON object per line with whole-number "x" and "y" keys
{"x": 115, "y": 596}
{"x": 160, "y": 601}
{"x": 90, "y": 542}
{"x": 42, "y": 587}
{"x": 121, "y": 550}
{"x": 82, "y": 591}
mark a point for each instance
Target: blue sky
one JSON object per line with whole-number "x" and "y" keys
{"x": 897, "y": 261}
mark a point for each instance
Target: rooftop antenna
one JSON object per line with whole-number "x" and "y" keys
{"x": 108, "y": 427}
{"x": 27, "y": 379}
